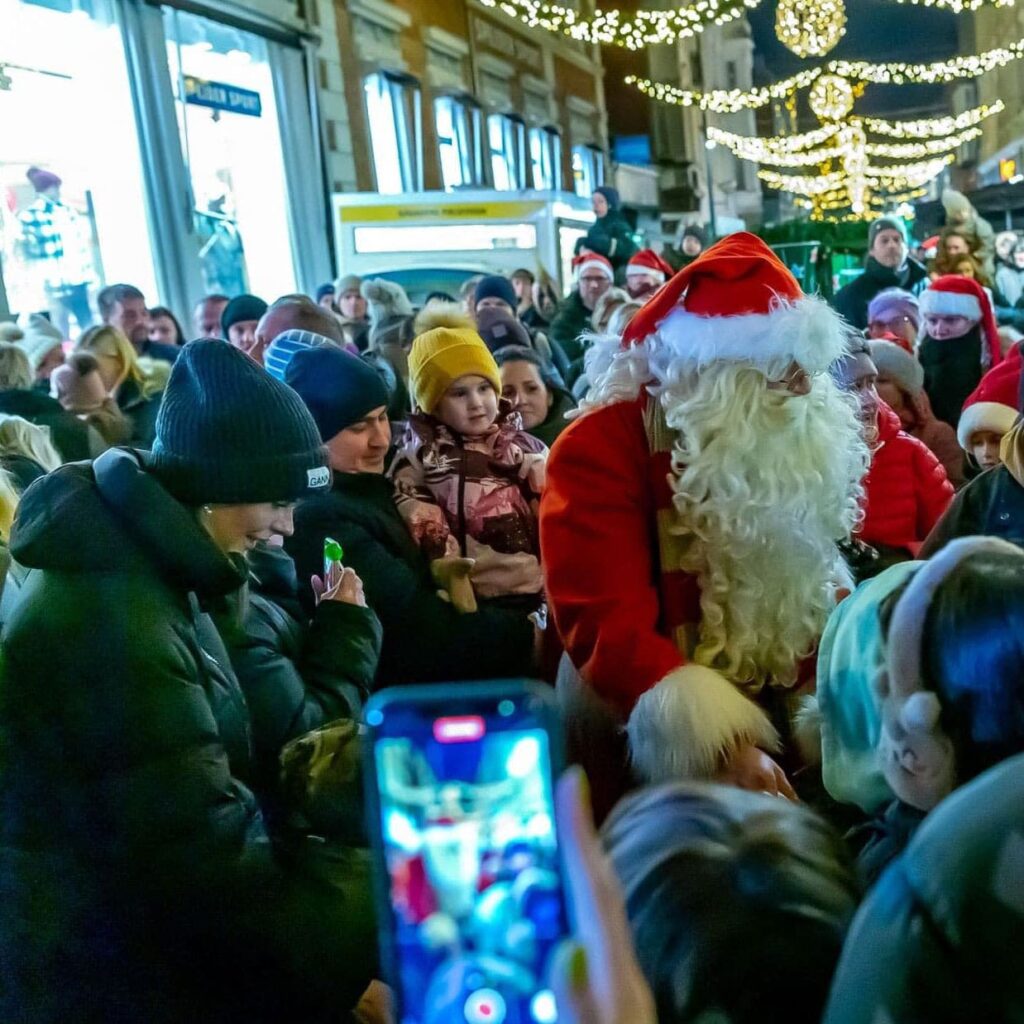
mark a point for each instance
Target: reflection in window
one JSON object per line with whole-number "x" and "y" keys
{"x": 393, "y": 116}
{"x": 546, "y": 158}
{"x": 507, "y": 136}
{"x": 457, "y": 120}
{"x": 587, "y": 169}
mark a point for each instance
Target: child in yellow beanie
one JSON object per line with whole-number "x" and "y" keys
{"x": 468, "y": 479}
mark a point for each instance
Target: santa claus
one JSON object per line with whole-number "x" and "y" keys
{"x": 646, "y": 272}
{"x": 691, "y": 516}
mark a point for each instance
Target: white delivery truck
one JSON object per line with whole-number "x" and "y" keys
{"x": 433, "y": 241}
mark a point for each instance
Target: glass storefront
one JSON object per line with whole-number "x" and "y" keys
{"x": 230, "y": 137}
{"x": 84, "y": 206}
{"x": 73, "y": 213}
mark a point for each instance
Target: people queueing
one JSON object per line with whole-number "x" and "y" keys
{"x": 888, "y": 265}
{"x": 468, "y": 478}
{"x": 123, "y": 307}
{"x": 906, "y": 489}
{"x": 725, "y": 530}
{"x": 959, "y": 342}
{"x": 425, "y": 639}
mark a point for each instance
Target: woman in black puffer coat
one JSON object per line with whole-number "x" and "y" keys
{"x": 136, "y": 874}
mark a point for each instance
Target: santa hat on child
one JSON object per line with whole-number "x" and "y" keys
{"x": 588, "y": 260}
{"x": 738, "y": 302}
{"x": 648, "y": 262}
{"x": 992, "y": 405}
{"x": 953, "y": 295}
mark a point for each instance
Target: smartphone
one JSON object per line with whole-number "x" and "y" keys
{"x": 470, "y": 884}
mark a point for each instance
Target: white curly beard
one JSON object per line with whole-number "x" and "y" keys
{"x": 765, "y": 484}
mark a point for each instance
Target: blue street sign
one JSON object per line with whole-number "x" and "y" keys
{"x": 221, "y": 96}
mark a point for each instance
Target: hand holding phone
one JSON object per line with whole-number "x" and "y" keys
{"x": 471, "y": 886}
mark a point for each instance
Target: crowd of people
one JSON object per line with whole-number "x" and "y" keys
{"x": 767, "y": 551}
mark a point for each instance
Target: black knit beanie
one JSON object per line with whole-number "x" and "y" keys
{"x": 339, "y": 389}
{"x": 240, "y": 309}
{"x": 494, "y": 286}
{"x": 230, "y": 434}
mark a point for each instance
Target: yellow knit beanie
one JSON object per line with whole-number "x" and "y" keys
{"x": 439, "y": 357}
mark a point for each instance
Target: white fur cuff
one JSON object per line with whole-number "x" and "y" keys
{"x": 682, "y": 727}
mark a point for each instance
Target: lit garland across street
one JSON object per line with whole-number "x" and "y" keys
{"x": 846, "y": 178}
{"x": 633, "y": 31}
{"x": 729, "y": 101}
{"x": 808, "y": 27}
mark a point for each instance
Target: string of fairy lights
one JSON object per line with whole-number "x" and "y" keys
{"x": 809, "y": 28}
{"x": 731, "y": 101}
{"x": 841, "y": 155}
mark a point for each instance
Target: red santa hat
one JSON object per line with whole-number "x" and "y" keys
{"x": 738, "y": 302}
{"x": 588, "y": 260}
{"x": 648, "y": 262}
{"x": 992, "y": 405}
{"x": 953, "y": 295}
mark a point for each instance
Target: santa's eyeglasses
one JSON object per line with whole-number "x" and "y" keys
{"x": 797, "y": 382}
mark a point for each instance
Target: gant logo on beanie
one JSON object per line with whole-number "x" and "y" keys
{"x": 319, "y": 477}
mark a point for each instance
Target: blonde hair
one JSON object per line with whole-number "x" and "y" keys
{"x": 106, "y": 340}
{"x": 19, "y": 437}
{"x": 15, "y": 369}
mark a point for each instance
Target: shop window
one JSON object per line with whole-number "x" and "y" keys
{"x": 458, "y": 123}
{"x": 393, "y": 117}
{"x": 231, "y": 140}
{"x": 546, "y": 158}
{"x": 79, "y": 222}
{"x": 507, "y": 136}
{"x": 587, "y": 169}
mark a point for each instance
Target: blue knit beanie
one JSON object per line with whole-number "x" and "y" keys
{"x": 229, "y": 434}
{"x": 494, "y": 286}
{"x": 283, "y": 348}
{"x": 339, "y": 389}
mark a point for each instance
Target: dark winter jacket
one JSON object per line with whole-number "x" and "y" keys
{"x": 296, "y": 674}
{"x": 906, "y": 489}
{"x": 141, "y": 413}
{"x": 936, "y": 940}
{"x": 136, "y": 874}
{"x": 882, "y": 839}
{"x": 555, "y": 421}
{"x": 952, "y": 370}
{"x": 852, "y": 301}
{"x": 69, "y": 434}
{"x": 612, "y": 237}
{"x": 425, "y": 639}
{"x": 991, "y": 505}
{"x": 571, "y": 320}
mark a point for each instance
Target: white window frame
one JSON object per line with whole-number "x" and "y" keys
{"x": 460, "y": 149}
{"x": 506, "y": 139}
{"x": 546, "y": 158}
{"x": 394, "y": 122}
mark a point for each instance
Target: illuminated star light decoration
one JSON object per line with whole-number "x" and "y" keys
{"x": 805, "y": 21}
{"x": 729, "y": 101}
{"x": 840, "y": 150}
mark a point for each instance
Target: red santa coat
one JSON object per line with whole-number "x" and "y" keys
{"x": 624, "y": 622}
{"x": 906, "y": 489}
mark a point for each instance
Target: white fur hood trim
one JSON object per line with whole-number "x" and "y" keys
{"x": 808, "y": 332}
{"x": 683, "y": 726}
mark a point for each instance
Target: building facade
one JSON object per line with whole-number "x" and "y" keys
{"x": 998, "y": 156}
{"x": 199, "y": 143}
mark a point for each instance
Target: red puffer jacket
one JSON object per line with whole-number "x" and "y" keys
{"x": 906, "y": 489}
